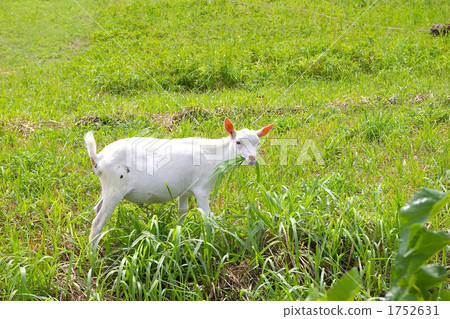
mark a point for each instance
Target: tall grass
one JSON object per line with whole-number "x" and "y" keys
{"x": 376, "y": 107}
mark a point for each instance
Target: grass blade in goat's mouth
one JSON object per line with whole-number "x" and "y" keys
{"x": 223, "y": 168}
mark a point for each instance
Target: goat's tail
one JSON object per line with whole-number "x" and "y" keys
{"x": 91, "y": 146}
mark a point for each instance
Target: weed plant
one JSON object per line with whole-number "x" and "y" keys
{"x": 374, "y": 102}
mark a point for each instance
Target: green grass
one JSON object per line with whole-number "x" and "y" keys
{"x": 376, "y": 106}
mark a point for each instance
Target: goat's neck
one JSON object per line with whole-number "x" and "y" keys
{"x": 229, "y": 151}
{"x": 222, "y": 150}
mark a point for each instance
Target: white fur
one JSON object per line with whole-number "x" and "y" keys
{"x": 149, "y": 170}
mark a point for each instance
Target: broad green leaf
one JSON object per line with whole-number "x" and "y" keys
{"x": 401, "y": 292}
{"x": 313, "y": 294}
{"x": 430, "y": 276}
{"x": 346, "y": 288}
{"x": 444, "y": 295}
{"x": 407, "y": 237}
{"x": 430, "y": 242}
{"x": 422, "y": 207}
{"x": 424, "y": 247}
{"x": 411, "y": 277}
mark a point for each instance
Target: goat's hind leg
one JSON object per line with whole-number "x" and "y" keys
{"x": 183, "y": 206}
{"x": 105, "y": 208}
{"x": 98, "y": 206}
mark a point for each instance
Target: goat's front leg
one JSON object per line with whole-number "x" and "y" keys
{"x": 107, "y": 207}
{"x": 203, "y": 201}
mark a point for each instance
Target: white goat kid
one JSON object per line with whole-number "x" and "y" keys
{"x": 149, "y": 170}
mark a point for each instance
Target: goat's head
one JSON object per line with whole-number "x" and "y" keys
{"x": 246, "y": 142}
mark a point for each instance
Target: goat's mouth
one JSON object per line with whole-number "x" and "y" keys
{"x": 250, "y": 163}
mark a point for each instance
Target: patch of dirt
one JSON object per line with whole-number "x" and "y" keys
{"x": 282, "y": 256}
{"x": 25, "y": 128}
{"x": 232, "y": 280}
{"x": 169, "y": 120}
{"x": 88, "y": 120}
{"x": 421, "y": 98}
{"x": 95, "y": 120}
{"x": 53, "y": 124}
{"x": 78, "y": 44}
{"x": 238, "y": 112}
{"x": 197, "y": 114}
{"x": 393, "y": 100}
{"x": 236, "y": 276}
{"x": 346, "y": 103}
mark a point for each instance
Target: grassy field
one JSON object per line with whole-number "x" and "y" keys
{"x": 374, "y": 101}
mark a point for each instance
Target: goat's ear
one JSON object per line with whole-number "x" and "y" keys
{"x": 264, "y": 131}
{"x": 229, "y": 127}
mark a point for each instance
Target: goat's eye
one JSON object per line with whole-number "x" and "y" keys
{"x": 238, "y": 142}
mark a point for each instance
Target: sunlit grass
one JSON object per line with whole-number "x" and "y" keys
{"x": 376, "y": 106}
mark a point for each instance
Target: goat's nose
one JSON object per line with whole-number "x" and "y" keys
{"x": 251, "y": 158}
